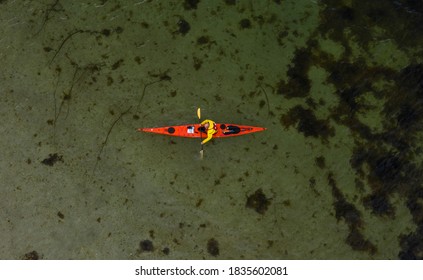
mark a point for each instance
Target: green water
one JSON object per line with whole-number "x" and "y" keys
{"x": 336, "y": 175}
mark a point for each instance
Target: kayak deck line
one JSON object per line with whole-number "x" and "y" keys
{"x": 193, "y": 130}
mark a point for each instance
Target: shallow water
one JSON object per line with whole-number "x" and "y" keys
{"x": 336, "y": 175}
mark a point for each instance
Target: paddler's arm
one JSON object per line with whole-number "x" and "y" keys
{"x": 204, "y": 122}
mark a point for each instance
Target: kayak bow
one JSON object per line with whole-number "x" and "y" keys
{"x": 193, "y": 130}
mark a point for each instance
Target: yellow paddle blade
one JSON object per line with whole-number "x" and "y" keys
{"x": 199, "y": 113}
{"x": 201, "y": 154}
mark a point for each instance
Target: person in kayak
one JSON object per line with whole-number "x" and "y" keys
{"x": 209, "y": 127}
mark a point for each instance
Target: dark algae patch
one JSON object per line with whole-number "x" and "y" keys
{"x": 320, "y": 162}
{"x": 146, "y": 246}
{"x": 166, "y": 251}
{"x": 298, "y": 84}
{"x": 230, "y": 2}
{"x": 386, "y": 159}
{"x": 306, "y": 123}
{"x": 183, "y": 27}
{"x": 386, "y": 153}
{"x": 337, "y": 15}
{"x": 52, "y": 159}
{"x": 352, "y": 217}
{"x": 258, "y": 201}
{"x": 60, "y": 215}
{"x": 245, "y": 23}
{"x": 213, "y": 247}
{"x": 191, "y": 4}
{"x": 379, "y": 204}
{"x": 33, "y": 255}
{"x": 344, "y": 209}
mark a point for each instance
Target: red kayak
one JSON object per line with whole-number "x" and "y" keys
{"x": 193, "y": 130}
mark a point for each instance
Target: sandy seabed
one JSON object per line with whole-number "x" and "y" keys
{"x": 336, "y": 175}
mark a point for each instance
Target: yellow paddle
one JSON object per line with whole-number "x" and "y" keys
{"x": 201, "y": 134}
